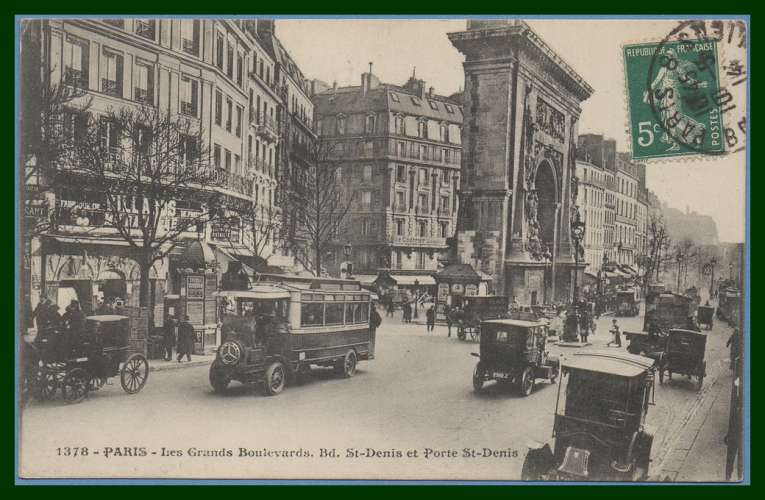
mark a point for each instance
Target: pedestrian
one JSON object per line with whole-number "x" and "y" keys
{"x": 617, "y": 337}
{"x": 74, "y": 326}
{"x": 185, "y": 339}
{"x": 732, "y": 343}
{"x": 430, "y": 321}
{"x": 374, "y": 321}
{"x": 391, "y": 307}
{"x": 584, "y": 325}
{"x": 169, "y": 338}
{"x": 407, "y": 312}
{"x": 448, "y": 315}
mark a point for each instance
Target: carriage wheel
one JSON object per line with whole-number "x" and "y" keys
{"x": 701, "y": 375}
{"x": 477, "y": 379}
{"x": 527, "y": 381}
{"x": 75, "y": 386}
{"x": 134, "y": 373}
{"x": 275, "y": 377}
{"x": 219, "y": 379}
{"x": 46, "y": 384}
{"x": 461, "y": 333}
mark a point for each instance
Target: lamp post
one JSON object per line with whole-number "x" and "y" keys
{"x": 571, "y": 328}
{"x": 416, "y": 302}
{"x": 348, "y": 265}
{"x": 712, "y": 264}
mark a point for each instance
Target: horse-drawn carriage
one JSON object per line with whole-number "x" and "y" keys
{"x": 476, "y": 309}
{"x": 729, "y": 305}
{"x": 80, "y": 362}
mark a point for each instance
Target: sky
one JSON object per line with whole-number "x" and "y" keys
{"x": 341, "y": 49}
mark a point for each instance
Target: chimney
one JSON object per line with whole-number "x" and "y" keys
{"x": 334, "y": 85}
{"x": 430, "y": 91}
{"x": 364, "y": 84}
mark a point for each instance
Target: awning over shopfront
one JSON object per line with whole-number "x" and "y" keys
{"x": 225, "y": 255}
{"x": 409, "y": 280}
{"x": 365, "y": 279}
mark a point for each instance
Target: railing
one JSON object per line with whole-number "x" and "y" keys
{"x": 229, "y": 180}
{"x": 188, "y": 108}
{"x": 145, "y": 29}
{"x": 142, "y": 95}
{"x": 303, "y": 119}
{"x": 416, "y": 241}
{"x": 111, "y": 87}
{"x": 76, "y": 78}
{"x": 190, "y": 46}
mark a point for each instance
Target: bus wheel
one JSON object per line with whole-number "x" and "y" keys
{"x": 346, "y": 366}
{"x": 275, "y": 378}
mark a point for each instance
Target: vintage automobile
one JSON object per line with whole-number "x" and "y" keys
{"x": 650, "y": 344}
{"x": 729, "y": 305}
{"x": 664, "y": 311}
{"x": 685, "y": 354}
{"x": 478, "y": 308}
{"x": 277, "y": 330}
{"x": 627, "y": 303}
{"x": 514, "y": 352}
{"x": 706, "y": 316}
{"x": 80, "y": 365}
{"x": 599, "y": 428}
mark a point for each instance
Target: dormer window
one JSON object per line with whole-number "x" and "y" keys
{"x": 416, "y": 101}
{"x": 394, "y": 96}
{"x": 449, "y": 108}
{"x": 433, "y": 105}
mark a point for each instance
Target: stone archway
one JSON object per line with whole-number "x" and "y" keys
{"x": 546, "y": 188}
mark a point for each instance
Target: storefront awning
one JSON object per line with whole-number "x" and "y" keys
{"x": 365, "y": 279}
{"x": 407, "y": 280}
{"x": 227, "y": 256}
{"x": 90, "y": 240}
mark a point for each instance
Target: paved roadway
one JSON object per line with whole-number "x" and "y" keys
{"x": 416, "y": 395}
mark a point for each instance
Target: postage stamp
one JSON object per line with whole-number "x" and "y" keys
{"x": 674, "y": 98}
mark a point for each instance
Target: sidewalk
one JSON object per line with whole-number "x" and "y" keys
{"x": 156, "y": 365}
{"x": 699, "y": 452}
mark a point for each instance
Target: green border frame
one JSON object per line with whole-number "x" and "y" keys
{"x": 346, "y": 7}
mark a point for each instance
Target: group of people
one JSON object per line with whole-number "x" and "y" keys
{"x": 183, "y": 341}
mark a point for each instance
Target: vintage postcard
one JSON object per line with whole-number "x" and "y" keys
{"x": 339, "y": 249}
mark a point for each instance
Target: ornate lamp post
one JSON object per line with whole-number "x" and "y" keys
{"x": 571, "y": 328}
{"x": 416, "y": 296}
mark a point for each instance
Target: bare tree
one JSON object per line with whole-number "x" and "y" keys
{"x": 262, "y": 225}
{"x": 146, "y": 162}
{"x": 685, "y": 254}
{"x": 316, "y": 204}
{"x": 658, "y": 244}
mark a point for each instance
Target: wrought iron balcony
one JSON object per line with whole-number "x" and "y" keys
{"x": 111, "y": 87}
{"x": 143, "y": 95}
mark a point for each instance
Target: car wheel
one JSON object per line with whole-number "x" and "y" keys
{"x": 477, "y": 379}
{"x": 527, "y": 382}
{"x": 275, "y": 378}
{"x": 348, "y": 364}
{"x": 218, "y": 379}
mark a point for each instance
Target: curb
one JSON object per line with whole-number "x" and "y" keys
{"x": 178, "y": 366}
{"x": 668, "y": 466}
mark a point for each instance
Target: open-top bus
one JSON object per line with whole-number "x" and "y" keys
{"x": 276, "y": 330}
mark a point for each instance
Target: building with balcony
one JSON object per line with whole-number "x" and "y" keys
{"x": 292, "y": 123}
{"x": 217, "y": 73}
{"x": 591, "y": 200}
{"x": 397, "y": 150}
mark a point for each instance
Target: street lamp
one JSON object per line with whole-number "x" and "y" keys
{"x": 416, "y": 302}
{"x": 571, "y": 327}
{"x": 348, "y": 265}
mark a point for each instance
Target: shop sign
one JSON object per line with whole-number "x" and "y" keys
{"x": 458, "y": 289}
{"x": 471, "y": 290}
{"x": 195, "y": 287}
{"x": 443, "y": 291}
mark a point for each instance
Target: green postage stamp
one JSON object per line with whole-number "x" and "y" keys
{"x": 674, "y": 101}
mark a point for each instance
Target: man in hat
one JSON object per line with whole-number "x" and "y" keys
{"x": 616, "y": 333}
{"x": 169, "y": 337}
{"x": 185, "y": 339}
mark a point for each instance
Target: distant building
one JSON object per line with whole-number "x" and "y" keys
{"x": 701, "y": 229}
{"x": 591, "y": 202}
{"x": 398, "y": 150}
